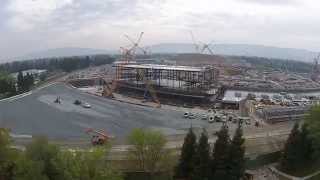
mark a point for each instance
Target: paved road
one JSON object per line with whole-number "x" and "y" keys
{"x": 37, "y": 114}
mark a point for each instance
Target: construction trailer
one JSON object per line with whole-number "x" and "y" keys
{"x": 184, "y": 83}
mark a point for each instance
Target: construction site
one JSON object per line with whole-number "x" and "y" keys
{"x": 169, "y": 94}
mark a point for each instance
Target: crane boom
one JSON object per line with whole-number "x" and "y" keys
{"x": 90, "y": 130}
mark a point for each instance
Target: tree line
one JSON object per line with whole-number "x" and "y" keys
{"x": 24, "y": 82}
{"x": 7, "y": 85}
{"x": 44, "y": 161}
{"x": 225, "y": 160}
{"x": 66, "y": 64}
{"x": 302, "y": 148}
{"x": 276, "y": 64}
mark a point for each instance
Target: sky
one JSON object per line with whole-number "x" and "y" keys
{"x": 28, "y": 26}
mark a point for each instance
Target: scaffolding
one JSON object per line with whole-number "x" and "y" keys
{"x": 179, "y": 78}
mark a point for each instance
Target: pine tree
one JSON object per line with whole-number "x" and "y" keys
{"x": 220, "y": 155}
{"x": 306, "y": 145}
{"x": 28, "y": 81}
{"x": 236, "y": 156}
{"x": 291, "y": 153}
{"x": 186, "y": 162}
{"x": 20, "y": 82}
{"x": 202, "y": 158}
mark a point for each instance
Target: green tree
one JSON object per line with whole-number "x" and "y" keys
{"x": 88, "y": 165}
{"x": 20, "y": 82}
{"x": 186, "y": 163}
{"x": 7, "y": 156}
{"x": 45, "y": 156}
{"x": 313, "y": 125}
{"x": 306, "y": 145}
{"x": 202, "y": 158}
{"x": 148, "y": 148}
{"x": 44, "y": 161}
{"x": 236, "y": 156}
{"x": 291, "y": 156}
{"x": 29, "y": 169}
{"x": 220, "y": 155}
{"x": 7, "y": 85}
{"x": 28, "y": 81}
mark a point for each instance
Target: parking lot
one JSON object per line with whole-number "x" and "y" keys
{"x": 38, "y": 114}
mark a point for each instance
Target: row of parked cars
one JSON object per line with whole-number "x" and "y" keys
{"x": 215, "y": 116}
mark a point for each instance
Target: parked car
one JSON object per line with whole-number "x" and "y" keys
{"x": 86, "y": 105}
{"x": 77, "y": 102}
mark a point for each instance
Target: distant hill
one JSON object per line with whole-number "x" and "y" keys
{"x": 63, "y": 52}
{"x": 182, "y": 48}
{"x": 240, "y": 50}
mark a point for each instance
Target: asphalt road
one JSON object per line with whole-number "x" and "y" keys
{"x": 37, "y": 114}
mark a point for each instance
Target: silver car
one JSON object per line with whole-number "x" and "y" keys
{"x": 86, "y": 105}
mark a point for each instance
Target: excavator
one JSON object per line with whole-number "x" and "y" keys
{"x": 98, "y": 137}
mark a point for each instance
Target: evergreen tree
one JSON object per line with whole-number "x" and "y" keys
{"x": 220, "y": 155}
{"x": 306, "y": 144}
{"x": 291, "y": 153}
{"x": 236, "y": 157}
{"x": 28, "y": 81}
{"x": 7, "y": 156}
{"x": 186, "y": 161}
{"x": 20, "y": 82}
{"x": 202, "y": 158}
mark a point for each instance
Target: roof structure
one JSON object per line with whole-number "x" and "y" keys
{"x": 165, "y": 67}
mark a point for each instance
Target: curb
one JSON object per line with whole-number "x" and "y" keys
{"x": 17, "y": 96}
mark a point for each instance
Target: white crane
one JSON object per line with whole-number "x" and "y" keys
{"x": 201, "y": 47}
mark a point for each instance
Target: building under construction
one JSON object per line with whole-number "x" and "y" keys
{"x": 183, "y": 83}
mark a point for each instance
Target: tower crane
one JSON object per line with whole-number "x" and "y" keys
{"x": 201, "y": 47}
{"x": 128, "y": 55}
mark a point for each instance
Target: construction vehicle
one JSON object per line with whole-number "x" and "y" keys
{"x": 58, "y": 100}
{"x": 98, "y": 137}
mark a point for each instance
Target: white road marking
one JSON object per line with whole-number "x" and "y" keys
{"x": 19, "y": 96}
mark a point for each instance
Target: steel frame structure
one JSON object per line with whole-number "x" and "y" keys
{"x": 181, "y": 78}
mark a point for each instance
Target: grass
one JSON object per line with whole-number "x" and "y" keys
{"x": 317, "y": 177}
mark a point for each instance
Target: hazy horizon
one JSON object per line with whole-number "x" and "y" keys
{"x": 29, "y": 26}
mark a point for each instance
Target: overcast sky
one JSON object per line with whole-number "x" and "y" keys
{"x": 32, "y": 25}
